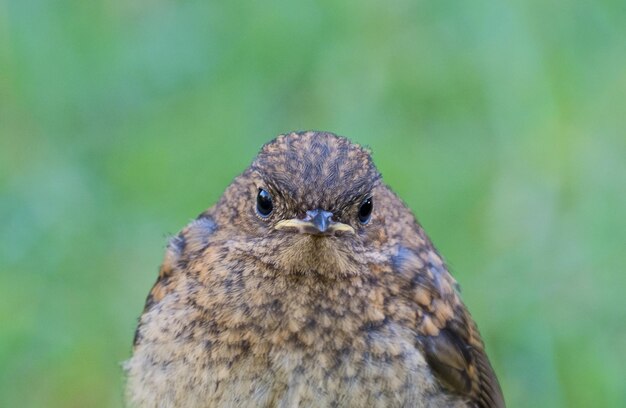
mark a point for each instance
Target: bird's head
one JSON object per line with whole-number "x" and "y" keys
{"x": 307, "y": 204}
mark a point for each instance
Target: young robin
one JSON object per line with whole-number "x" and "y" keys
{"x": 308, "y": 284}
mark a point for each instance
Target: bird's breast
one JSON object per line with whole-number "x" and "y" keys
{"x": 259, "y": 340}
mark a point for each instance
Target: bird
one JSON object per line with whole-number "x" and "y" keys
{"x": 308, "y": 284}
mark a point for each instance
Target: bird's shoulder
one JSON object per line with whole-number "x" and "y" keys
{"x": 447, "y": 334}
{"x": 181, "y": 249}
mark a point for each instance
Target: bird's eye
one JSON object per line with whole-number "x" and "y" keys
{"x": 264, "y": 204}
{"x": 365, "y": 211}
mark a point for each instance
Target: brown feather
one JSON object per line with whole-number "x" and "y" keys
{"x": 459, "y": 361}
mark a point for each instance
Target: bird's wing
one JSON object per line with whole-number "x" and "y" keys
{"x": 457, "y": 357}
{"x": 192, "y": 239}
{"x": 447, "y": 333}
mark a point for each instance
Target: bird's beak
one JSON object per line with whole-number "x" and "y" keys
{"x": 316, "y": 222}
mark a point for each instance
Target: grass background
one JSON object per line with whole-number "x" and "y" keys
{"x": 501, "y": 123}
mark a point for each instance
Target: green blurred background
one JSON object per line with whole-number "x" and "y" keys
{"x": 501, "y": 123}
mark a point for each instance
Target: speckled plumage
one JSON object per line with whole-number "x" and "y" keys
{"x": 245, "y": 314}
